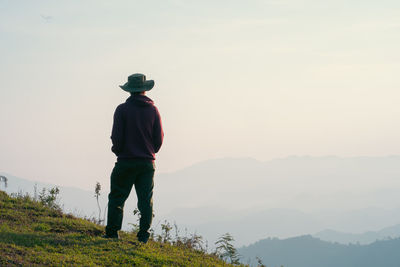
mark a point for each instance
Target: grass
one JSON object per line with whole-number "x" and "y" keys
{"x": 32, "y": 234}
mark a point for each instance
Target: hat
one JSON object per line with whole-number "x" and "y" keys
{"x": 137, "y": 83}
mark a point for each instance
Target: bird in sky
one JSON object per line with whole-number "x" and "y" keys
{"x": 47, "y": 19}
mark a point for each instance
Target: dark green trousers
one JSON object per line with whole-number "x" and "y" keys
{"x": 125, "y": 174}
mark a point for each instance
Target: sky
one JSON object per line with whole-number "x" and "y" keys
{"x": 258, "y": 78}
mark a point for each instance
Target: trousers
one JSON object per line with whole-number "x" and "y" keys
{"x": 125, "y": 175}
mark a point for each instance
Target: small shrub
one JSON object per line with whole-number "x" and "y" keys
{"x": 194, "y": 241}
{"x": 4, "y": 180}
{"x": 49, "y": 198}
{"x": 20, "y": 196}
{"x": 225, "y": 250}
{"x": 166, "y": 232}
{"x": 97, "y": 189}
{"x": 260, "y": 262}
{"x": 135, "y": 226}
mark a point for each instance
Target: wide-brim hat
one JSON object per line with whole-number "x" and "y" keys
{"x": 137, "y": 83}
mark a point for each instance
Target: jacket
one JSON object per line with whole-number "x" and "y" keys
{"x": 137, "y": 131}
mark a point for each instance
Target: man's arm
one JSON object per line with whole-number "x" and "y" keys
{"x": 158, "y": 133}
{"x": 117, "y": 135}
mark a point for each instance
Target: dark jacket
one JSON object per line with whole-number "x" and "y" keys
{"x": 137, "y": 130}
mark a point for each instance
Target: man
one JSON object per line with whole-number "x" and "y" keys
{"x": 137, "y": 135}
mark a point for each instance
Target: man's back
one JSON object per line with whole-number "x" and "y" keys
{"x": 137, "y": 130}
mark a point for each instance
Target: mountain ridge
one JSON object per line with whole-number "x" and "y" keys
{"x": 364, "y": 238}
{"x": 308, "y": 251}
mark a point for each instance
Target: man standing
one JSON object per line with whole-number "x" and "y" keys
{"x": 137, "y": 135}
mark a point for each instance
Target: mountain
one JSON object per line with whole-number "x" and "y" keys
{"x": 251, "y": 225}
{"x": 296, "y": 182}
{"x": 253, "y": 199}
{"x": 307, "y": 251}
{"x": 33, "y": 234}
{"x": 247, "y": 197}
{"x": 362, "y": 238}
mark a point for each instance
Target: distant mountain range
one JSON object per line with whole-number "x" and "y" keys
{"x": 363, "y": 238}
{"x": 307, "y": 251}
{"x": 296, "y": 182}
{"x": 282, "y": 197}
{"x": 251, "y": 199}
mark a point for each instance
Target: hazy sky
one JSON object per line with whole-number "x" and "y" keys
{"x": 261, "y": 79}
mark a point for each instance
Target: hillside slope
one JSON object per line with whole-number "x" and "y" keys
{"x": 34, "y": 234}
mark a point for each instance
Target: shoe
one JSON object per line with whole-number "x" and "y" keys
{"x": 143, "y": 240}
{"x": 115, "y": 236}
{"x": 143, "y": 236}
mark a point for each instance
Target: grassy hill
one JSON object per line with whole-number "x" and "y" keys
{"x": 32, "y": 233}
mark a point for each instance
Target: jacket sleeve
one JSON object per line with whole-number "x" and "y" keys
{"x": 158, "y": 133}
{"x": 117, "y": 135}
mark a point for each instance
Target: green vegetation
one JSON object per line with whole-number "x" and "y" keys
{"x": 226, "y": 250}
{"x": 38, "y": 233}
